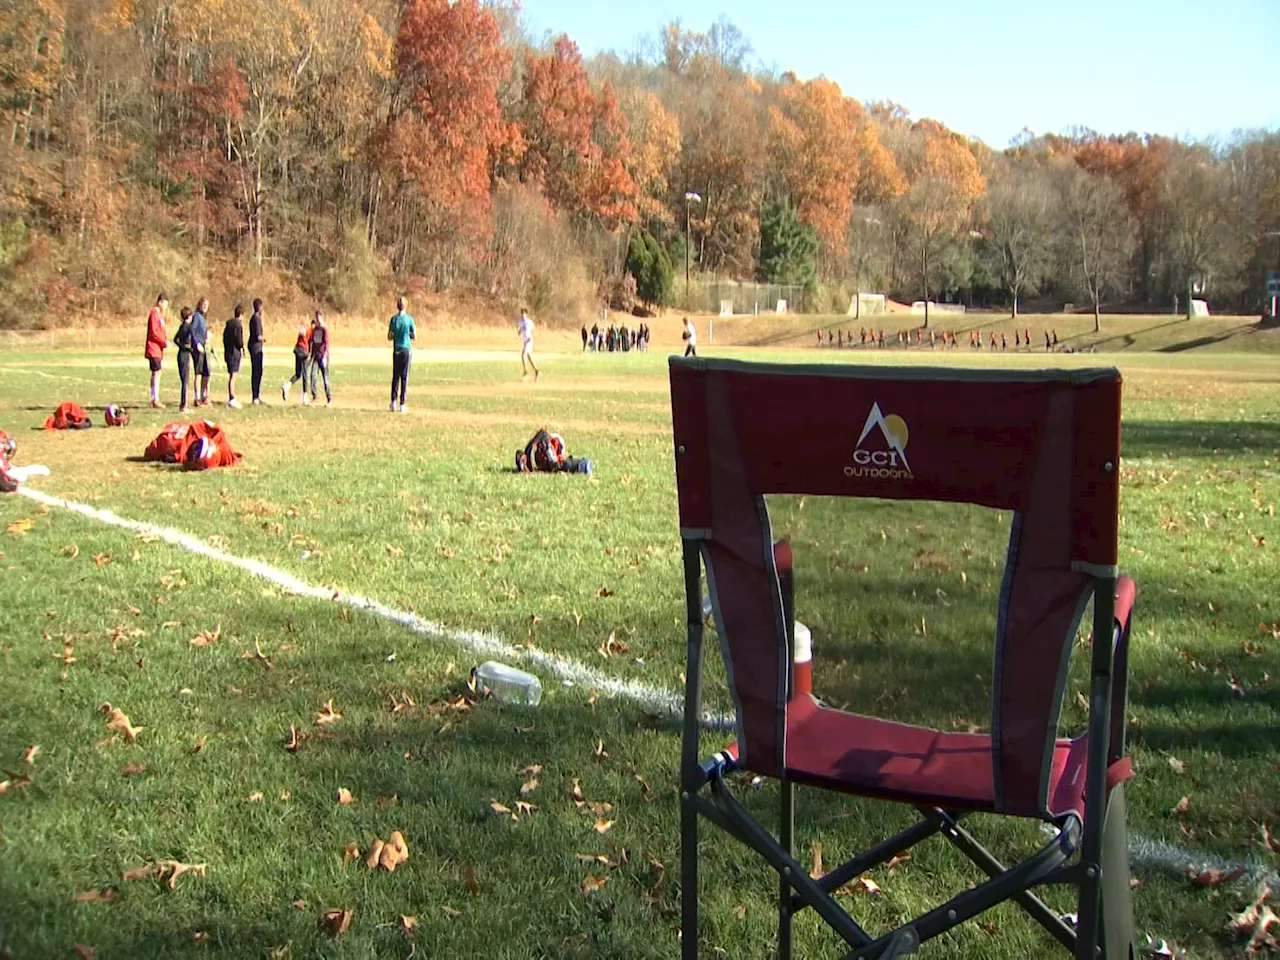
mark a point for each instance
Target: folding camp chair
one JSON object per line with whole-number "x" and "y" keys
{"x": 1042, "y": 444}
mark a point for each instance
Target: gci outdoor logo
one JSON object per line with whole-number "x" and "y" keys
{"x": 872, "y": 463}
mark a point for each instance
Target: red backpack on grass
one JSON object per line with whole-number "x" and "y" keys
{"x": 68, "y": 416}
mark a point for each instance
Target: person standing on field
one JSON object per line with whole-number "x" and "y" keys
{"x": 256, "y": 344}
{"x": 156, "y": 342}
{"x": 401, "y": 332}
{"x": 182, "y": 340}
{"x": 200, "y": 351}
{"x": 319, "y": 358}
{"x": 301, "y": 348}
{"x": 524, "y": 326}
{"x": 690, "y": 336}
{"x": 233, "y": 353}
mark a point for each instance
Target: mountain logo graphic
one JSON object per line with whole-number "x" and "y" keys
{"x": 890, "y": 464}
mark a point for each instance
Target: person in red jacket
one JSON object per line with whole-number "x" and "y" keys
{"x": 301, "y": 350}
{"x": 156, "y": 342}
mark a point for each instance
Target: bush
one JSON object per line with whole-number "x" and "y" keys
{"x": 353, "y": 281}
{"x": 650, "y": 264}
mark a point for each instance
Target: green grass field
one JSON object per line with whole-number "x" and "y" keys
{"x": 422, "y": 513}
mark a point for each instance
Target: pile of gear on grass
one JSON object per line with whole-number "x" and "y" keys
{"x": 201, "y": 445}
{"x": 546, "y": 453}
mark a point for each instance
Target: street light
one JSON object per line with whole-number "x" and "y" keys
{"x": 689, "y": 195}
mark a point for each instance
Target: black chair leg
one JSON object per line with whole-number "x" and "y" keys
{"x": 688, "y": 878}
{"x": 787, "y": 839}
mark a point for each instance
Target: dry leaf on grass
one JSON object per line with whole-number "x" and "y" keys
{"x": 470, "y": 879}
{"x": 1181, "y": 807}
{"x": 1177, "y": 766}
{"x": 576, "y": 794}
{"x": 528, "y": 786}
{"x": 645, "y": 790}
{"x": 604, "y": 826}
{"x": 71, "y": 550}
{"x": 351, "y": 852}
{"x": 600, "y": 751}
{"x": 327, "y": 715}
{"x": 13, "y": 781}
{"x": 344, "y": 796}
{"x": 336, "y": 922}
{"x": 374, "y": 855}
{"x": 83, "y": 952}
{"x": 173, "y": 868}
{"x": 257, "y": 654}
{"x": 862, "y": 884}
{"x": 133, "y": 769}
{"x": 407, "y": 925}
{"x": 499, "y": 809}
{"x": 816, "y": 872}
{"x": 255, "y": 797}
{"x": 206, "y": 638}
{"x": 29, "y": 754}
{"x": 1255, "y": 921}
{"x": 593, "y": 882}
{"x": 102, "y": 559}
{"x": 740, "y": 911}
{"x": 118, "y": 721}
{"x": 896, "y": 861}
{"x": 20, "y": 528}
{"x": 1212, "y": 876}
{"x": 450, "y": 912}
{"x": 294, "y": 743}
{"x": 524, "y": 809}
{"x": 299, "y": 904}
{"x": 105, "y": 895}
{"x": 199, "y": 745}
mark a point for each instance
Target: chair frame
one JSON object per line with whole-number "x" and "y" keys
{"x": 1090, "y": 856}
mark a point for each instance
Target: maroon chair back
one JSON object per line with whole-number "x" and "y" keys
{"x": 1042, "y": 444}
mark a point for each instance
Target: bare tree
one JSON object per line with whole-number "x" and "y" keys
{"x": 1197, "y": 216}
{"x": 1019, "y": 228}
{"x": 1097, "y": 234}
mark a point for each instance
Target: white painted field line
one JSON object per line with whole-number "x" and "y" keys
{"x": 653, "y": 698}
{"x": 1150, "y": 853}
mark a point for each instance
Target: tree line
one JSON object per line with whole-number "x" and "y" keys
{"x": 350, "y": 145}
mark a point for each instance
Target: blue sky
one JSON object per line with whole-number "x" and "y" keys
{"x": 991, "y": 67}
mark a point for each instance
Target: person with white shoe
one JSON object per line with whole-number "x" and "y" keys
{"x": 524, "y": 326}
{"x": 301, "y": 349}
{"x": 157, "y": 340}
{"x": 233, "y": 353}
{"x": 319, "y": 348}
{"x": 402, "y": 332}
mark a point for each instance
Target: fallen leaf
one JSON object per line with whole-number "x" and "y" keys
{"x": 351, "y": 852}
{"x": 600, "y": 752}
{"x": 29, "y": 754}
{"x": 593, "y": 882}
{"x": 599, "y": 807}
{"x": 528, "y": 787}
{"x": 255, "y": 797}
{"x": 20, "y": 528}
{"x": 105, "y": 895}
{"x": 102, "y": 559}
{"x": 397, "y": 840}
{"x": 862, "y": 884}
{"x": 604, "y": 826}
{"x": 1265, "y": 841}
{"x": 83, "y": 952}
{"x": 118, "y": 721}
{"x": 1255, "y": 920}
{"x": 407, "y": 925}
{"x": 645, "y": 790}
{"x": 390, "y": 858}
{"x": 294, "y": 743}
{"x": 133, "y": 769}
{"x": 896, "y": 861}
{"x": 740, "y": 911}
{"x": 524, "y": 809}
{"x": 336, "y": 922}
{"x": 501, "y": 809}
{"x": 327, "y": 715}
{"x": 206, "y": 638}
{"x": 471, "y": 880}
{"x": 594, "y": 698}
{"x": 1177, "y": 766}
{"x": 286, "y": 796}
{"x": 1212, "y": 876}
{"x": 816, "y": 872}
{"x": 385, "y": 803}
{"x": 199, "y": 745}
{"x": 176, "y": 869}
{"x": 71, "y": 550}
{"x": 142, "y": 872}
{"x": 1181, "y": 807}
{"x": 604, "y": 592}
{"x": 451, "y": 912}
{"x": 299, "y": 904}
{"x": 345, "y": 796}
{"x": 14, "y": 782}
{"x": 575, "y": 792}
{"x": 374, "y": 856}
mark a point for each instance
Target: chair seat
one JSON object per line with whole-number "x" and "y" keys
{"x": 871, "y": 757}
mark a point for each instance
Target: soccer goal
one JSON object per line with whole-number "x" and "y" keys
{"x": 866, "y": 304}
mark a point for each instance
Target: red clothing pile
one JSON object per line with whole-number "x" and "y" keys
{"x": 197, "y": 446}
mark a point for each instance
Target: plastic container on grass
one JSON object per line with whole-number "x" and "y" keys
{"x": 509, "y": 685}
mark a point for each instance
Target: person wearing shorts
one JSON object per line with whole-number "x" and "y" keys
{"x": 200, "y": 351}
{"x": 524, "y": 326}
{"x": 690, "y": 336}
{"x": 233, "y": 353}
{"x": 156, "y": 342}
{"x": 402, "y": 332}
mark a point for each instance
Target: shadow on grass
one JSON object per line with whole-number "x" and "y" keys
{"x": 1199, "y": 438}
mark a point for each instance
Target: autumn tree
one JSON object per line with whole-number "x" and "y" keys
{"x": 945, "y": 182}
{"x": 655, "y": 151}
{"x": 1097, "y": 232}
{"x": 1197, "y": 217}
{"x": 444, "y": 128}
{"x": 1019, "y": 228}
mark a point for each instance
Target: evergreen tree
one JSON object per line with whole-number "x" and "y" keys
{"x": 788, "y": 246}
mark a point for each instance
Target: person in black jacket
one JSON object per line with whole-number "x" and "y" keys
{"x": 233, "y": 352}
{"x": 182, "y": 340}
{"x": 256, "y": 343}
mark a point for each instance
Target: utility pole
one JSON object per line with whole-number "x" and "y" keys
{"x": 689, "y": 195}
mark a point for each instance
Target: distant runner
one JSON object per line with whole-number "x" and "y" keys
{"x": 525, "y": 328}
